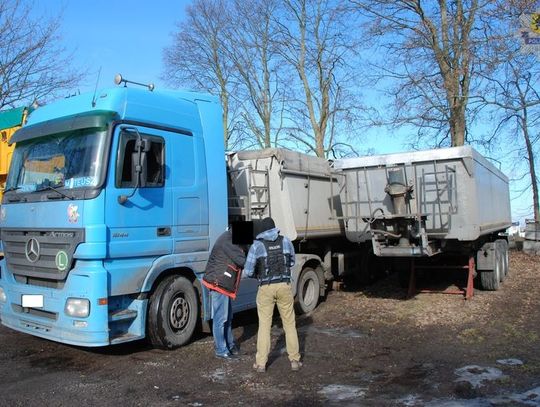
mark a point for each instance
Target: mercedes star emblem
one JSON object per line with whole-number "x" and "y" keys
{"x": 32, "y": 250}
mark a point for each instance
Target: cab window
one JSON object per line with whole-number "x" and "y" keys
{"x": 127, "y": 153}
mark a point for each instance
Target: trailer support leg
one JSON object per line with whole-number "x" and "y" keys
{"x": 470, "y": 288}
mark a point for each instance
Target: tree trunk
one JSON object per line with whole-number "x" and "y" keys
{"x": 532, "y": 170}
{"x": 458, "y": 125}
{"x": 225, "y": 118}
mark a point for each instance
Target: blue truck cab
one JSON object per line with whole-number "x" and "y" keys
{"x": 112, "y": 204}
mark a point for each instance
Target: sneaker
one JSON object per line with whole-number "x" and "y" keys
{"x": 296, "y": 365}
{"x": 235, "y": 350}
{"x": 226, "y": 356}
{"x": 258, "y": 368}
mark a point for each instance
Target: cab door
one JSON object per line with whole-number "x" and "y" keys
{"x": 138, "y": 206}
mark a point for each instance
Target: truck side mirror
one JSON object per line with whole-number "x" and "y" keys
{"x": 139, "y": 163}
{"x": 146, "y": 145}
{"x": 139, "y": 170}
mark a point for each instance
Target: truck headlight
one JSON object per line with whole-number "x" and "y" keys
{"x": 77, "y": 307}
{"x": 3, "y": 297}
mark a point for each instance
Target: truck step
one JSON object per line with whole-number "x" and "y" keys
{"x": 127, "y": 337}
{"x": 122, "y": 315}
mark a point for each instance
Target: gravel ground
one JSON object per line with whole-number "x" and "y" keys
{"x": 369, "y": 347}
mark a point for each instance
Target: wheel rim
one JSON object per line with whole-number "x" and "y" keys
{"x": 308, "y": 292}
{"x": 179, "y": 313}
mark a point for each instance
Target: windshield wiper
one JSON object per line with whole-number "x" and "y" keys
{"x": 13, "y": 198}
{"x": 55, "y": 189}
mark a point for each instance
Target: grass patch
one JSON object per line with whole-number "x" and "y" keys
{"x": 471, "y": 336}
{"x": 515, "y": 332}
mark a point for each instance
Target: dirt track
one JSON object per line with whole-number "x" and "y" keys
{"x": 364, "y": 347}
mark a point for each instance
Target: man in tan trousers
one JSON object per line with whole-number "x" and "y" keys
{"x": 270, "y": 259}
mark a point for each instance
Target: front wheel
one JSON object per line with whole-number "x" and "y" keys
{"x": 307, "y": 291}
{"x": 173, "y": 310}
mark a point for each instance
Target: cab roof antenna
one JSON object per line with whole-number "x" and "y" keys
{"x": 118, "y": 79}
{"x": 95, "y": 89}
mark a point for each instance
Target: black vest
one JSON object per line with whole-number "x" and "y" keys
{"x": 273, "y": 267}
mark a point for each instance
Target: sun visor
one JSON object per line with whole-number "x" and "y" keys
{"x": 90, "y": 120}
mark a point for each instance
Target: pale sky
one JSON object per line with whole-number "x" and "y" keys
{"x": 120, "y": 36}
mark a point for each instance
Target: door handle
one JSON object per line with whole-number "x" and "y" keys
{"x": 163, "y": 232}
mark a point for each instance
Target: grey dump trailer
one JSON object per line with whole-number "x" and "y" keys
{"x": 295, "y": 190}
{"x": 426, "y": 204}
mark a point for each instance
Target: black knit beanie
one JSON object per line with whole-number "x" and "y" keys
{"x": 267, "y": 224}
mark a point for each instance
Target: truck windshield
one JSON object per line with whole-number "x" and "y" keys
{"x": 68, "y": 160}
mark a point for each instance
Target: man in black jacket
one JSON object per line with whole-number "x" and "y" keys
{"x": 222, "y": 277}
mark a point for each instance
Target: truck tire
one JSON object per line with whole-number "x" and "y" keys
{"x": 504, "y": 254}
{"x": 307, "y": 291}
{"x": 173, "y": 311}
{"x": 491, "y": 279}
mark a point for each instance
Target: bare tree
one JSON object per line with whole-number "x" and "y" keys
{"x": 315, "y": 42}
{"x": 199, "y": 58}
{"x": 511, "y": 94}
{"x": 33, "y": 64}
{"x": 430, "y": 51}
{"x": 252, "y": 52}
{"x": 247, "y": 53}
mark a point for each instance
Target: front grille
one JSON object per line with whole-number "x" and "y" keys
{"x": 49, "y": 262}
{"x": 41, "y": 282}
{"x": 34, "y": 311}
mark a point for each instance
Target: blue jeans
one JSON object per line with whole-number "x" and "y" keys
{"x": 222, "y": 323}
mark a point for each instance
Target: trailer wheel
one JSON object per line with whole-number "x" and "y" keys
{"x": 504, "y": 254}
{"x": 491, "y": 279}
{"x": 172, "y": 313}
{"x": 307, "y": 291}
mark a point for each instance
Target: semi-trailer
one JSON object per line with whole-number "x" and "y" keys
{"x": 446, "y": 202}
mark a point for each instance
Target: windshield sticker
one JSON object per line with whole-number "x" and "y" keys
{"x": 28, "y": 187}
{"x": 58, "y": 178}
{"x": 73, "y": 213}
{"x": 80, "y": 182}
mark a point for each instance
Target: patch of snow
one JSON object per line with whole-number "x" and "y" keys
{"x": 217, "y": 375}
{"x": 459, "y": 403}
{"x": 510, "y": 362}
{"x": 410, "y": 400}
{"x": 475, "y": 374}
{"x": 342, "y": 392}
{"x": 528, "y": 398}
